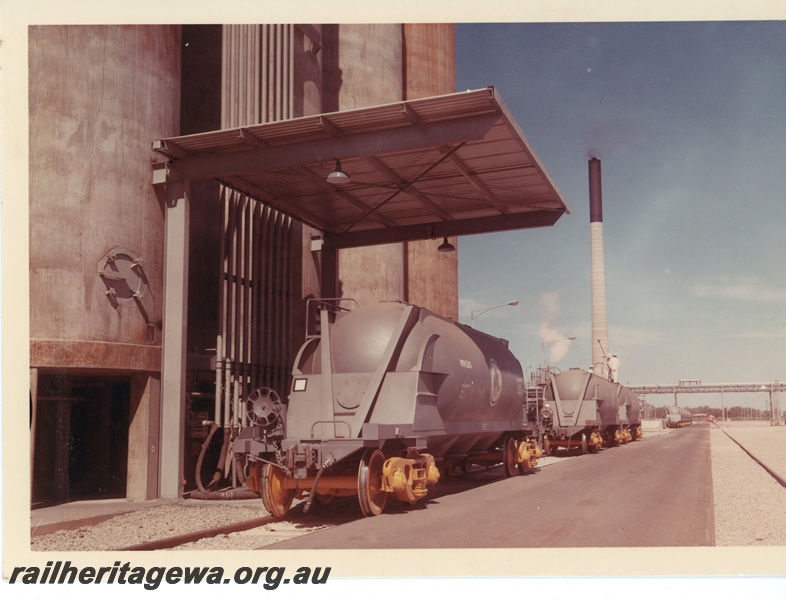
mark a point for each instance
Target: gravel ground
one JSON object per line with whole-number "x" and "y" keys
{"x": 276, "y": 532}
{"x": 253, "y": 538}
{"x": 750, "y": 506}
{"x": 150, "y": 524}
{"x": 765, "y": 442}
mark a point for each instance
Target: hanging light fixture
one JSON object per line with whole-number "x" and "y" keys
{"x": 446, "y": 246}
{"x": 338, "y": 177}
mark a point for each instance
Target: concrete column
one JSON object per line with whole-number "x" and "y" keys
{"x": 329, "y": 272}
{"x": 173, "y": 363}
{"x": 600, "y": 332}
{"x": 33, "y": 414}
{"x": 62, "y": 450}
{"x": 143, "y": 435}
{"x": 364, "y": 67}
{"x": 430, "y": 70}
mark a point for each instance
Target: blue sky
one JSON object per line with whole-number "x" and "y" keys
{"x": 689, "y": 121}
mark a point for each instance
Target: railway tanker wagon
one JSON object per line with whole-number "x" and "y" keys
{"x": 678, "y": 417}
{"x": 583, "y": 410}
{"x": 379, "y": 397}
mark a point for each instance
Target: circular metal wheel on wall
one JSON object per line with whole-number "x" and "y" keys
{"x": 371, "y": 491}
{"x": 263, "y": 406}
{"x": 276, "y": 499}
{"x": 510, "y": 456}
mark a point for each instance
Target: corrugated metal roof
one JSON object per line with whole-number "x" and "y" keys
{"x": 445, "y": 165}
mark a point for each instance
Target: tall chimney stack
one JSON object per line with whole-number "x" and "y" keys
{"x": 600, "y": 328}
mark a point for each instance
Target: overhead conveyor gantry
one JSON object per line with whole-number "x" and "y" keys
{"x": 693, "y": 386}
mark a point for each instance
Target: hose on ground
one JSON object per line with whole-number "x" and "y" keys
{"x": 221, "y": 459}
{"x": 201, "y": 493}
{"x": 307, "y": 505}
{"x": 202, "y": 451}
{"x": 233, "y": 494}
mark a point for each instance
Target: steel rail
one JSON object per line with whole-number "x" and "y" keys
{"x": 193, "y": 536}
{"x": 772, "y": 473}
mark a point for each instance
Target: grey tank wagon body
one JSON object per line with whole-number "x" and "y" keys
{"x": 584, "y": 410}
{"x": 381, "y": 397}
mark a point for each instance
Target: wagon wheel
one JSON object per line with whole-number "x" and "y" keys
{"x": 584, "y": 444}
{"x": 453, "y": 469}
{"x": 371, "y": 490}
{"x": 525, "y": 465}
{"x": 510, "y": 456}
{"x": 276, "y": 499}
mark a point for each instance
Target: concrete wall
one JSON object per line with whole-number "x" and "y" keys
{"x": 430, "y": 70}
{"x": 98, "y": 96}
{"x": 364, "y": 67}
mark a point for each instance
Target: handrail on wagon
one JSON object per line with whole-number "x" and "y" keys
{"x": 332, "y": 305}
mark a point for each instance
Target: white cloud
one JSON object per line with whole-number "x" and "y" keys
{"x": 749, "y": 289}
{"x": 558, "y": 344}
{"x": 762, "y": 335}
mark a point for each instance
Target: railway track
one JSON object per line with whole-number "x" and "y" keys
{"x": 273, "y": 528}
{"x": 738, "y": 483}
{"x": 194, "y": 536}
{"x": 771, "y": 472}
{"x": 270, "y": 529}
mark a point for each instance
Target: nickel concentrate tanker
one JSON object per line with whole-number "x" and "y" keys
{"x": 380, "y": 396}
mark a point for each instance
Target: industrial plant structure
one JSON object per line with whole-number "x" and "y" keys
{"x": 192, "y": 187}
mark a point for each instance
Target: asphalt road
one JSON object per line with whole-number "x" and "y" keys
{"x": 653, "y": 492}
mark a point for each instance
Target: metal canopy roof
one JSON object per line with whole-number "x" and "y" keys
{"x": 420, "y": 169}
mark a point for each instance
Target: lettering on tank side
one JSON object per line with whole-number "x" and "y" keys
{"x": 496, "y": 382}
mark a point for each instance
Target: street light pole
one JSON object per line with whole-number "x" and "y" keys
{"x": 544, "y": 346}
{"x": 476, "y": 313}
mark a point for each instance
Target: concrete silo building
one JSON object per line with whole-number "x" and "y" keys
{"x": 99, "y": 95}
{"x": 96, "y": 96}
{"x": 184, "y": 210}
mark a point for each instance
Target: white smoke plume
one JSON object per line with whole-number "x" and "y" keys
{"x": 558, "y": 344}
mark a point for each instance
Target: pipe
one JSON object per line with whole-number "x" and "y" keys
{"x": 202, "y": 451}
{"x": 201, "y": 493}
{"x": 232, "y": 494}
{"x": 222, "y": 458}
{"x": 311, "y": 494}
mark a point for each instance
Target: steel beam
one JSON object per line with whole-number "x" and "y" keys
{"x": 710, "y": 388}
{"x": 431, "y": 231}
{"x": 173, "y": 359}
{"x": 350, "y": 145}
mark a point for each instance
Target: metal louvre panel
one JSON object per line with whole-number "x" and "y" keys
{"x": 256, "y": 290}
{"x": 257, "y": 79}
{"x": 255, "y": 257}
